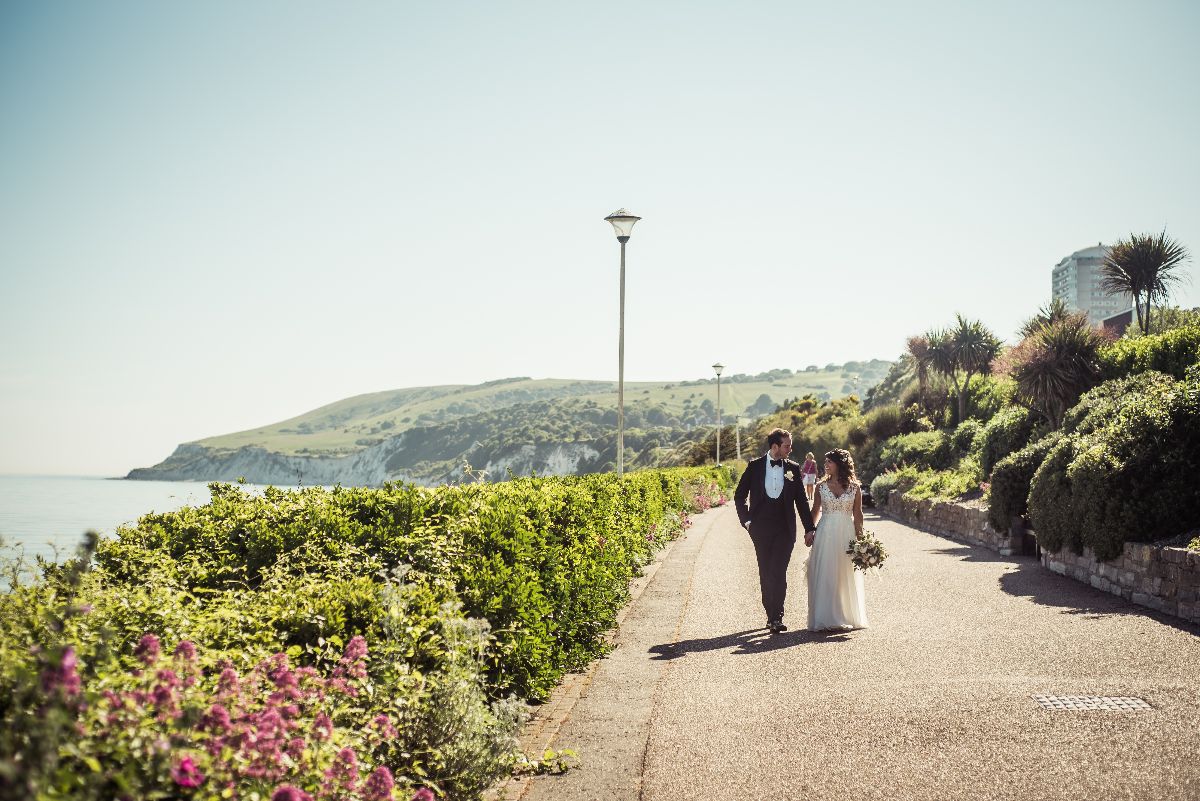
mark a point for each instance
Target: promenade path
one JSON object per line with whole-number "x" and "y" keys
{"x": 933, "y": 702}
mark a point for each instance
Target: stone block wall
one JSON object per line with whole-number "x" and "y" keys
{"x": 1163, "y": 578}
{"x": 955, "y": 520}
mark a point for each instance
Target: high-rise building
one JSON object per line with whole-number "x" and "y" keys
{"x": 1076, "y": 281}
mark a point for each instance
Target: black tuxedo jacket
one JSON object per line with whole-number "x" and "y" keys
{"x": 752, "y": 487}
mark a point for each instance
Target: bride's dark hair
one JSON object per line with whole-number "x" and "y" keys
{"x": 845, "y": 465}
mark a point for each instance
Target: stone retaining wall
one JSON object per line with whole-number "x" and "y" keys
{"x": 954, "y": 520}
{"x": 1165, "y": 579}
{"x": 1162, "y": 578}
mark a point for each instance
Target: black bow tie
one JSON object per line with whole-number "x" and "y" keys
{"x": 776, "y": 463}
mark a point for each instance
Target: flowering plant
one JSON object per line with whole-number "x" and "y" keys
{"x": 867, "y": 552}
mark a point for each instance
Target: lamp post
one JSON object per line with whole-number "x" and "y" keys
{"x": 622, "y": 221}
{"x": 717, "y": 368}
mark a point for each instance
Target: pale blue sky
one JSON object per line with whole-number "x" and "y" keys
{"x": 217, "y": 215}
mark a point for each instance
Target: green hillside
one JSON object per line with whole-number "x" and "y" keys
{"x": 353, "y": 424}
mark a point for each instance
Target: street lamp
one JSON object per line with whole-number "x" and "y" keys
{"x": 622, "y": 221}
{"x": 718, "y": 367}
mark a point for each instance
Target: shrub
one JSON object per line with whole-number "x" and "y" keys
{"x": 1127, "y": 471}
{"x": 884, "y": 422}
{"x": 465, "y": 596}
{"x": 1009, "y": 431}
{"x": 1171, "y": 352}
{"x": 948, "y": 484}
{"x": 963, "y": 437}
{"x": 930, "y": 449}
{"x": 902, "y": 480}
{"x": 1010, "y": 481}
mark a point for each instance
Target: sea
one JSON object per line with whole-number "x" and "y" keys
{"x": 47, "y": 516}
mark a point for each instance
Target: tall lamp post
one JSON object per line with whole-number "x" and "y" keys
{"x": 622, "y": 221}
{"x": 717, "y": 368}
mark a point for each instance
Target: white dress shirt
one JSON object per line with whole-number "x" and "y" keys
{"x": 774, "y": 479}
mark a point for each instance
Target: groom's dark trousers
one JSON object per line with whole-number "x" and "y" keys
{"x": 772, "y": 527}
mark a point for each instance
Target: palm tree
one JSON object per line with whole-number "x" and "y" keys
{"x": 975, "y": 348}
{"x": 942, "y": 356}
{"x": 918, "y": 349}
{"x": 1056, "y": 364}
{"x": 1144, "y": 265}
{"x": 1053, "y": 312}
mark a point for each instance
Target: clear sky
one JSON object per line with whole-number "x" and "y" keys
{"x": 215, "y": 215}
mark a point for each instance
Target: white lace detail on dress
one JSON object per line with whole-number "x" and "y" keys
{"x": 836, "y": 504}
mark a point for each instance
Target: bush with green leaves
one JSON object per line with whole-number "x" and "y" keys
{"x": 964, "y": 436}
{"x": 1171, "y": 352}
{"x": 1008, "y": 493}
{"x": 1125, "y": 469}
{"x": 1010, "y": 430}
{"x": 929, "y": 449}
{"x": 465, "y": 596}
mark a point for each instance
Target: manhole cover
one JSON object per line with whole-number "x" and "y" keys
{"x": 1116, "y": 703}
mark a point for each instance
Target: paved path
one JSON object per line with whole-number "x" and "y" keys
{"x": 933, "y": 702}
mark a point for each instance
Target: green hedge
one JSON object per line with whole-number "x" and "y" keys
{"x": 465, "y": 595}
{"x": 1009, "y": 431}
{"x": 1125, "y": 468}
{"x": 1171, "y": 352}
{"x": 1011, "y": 477}
{"x": 930, "y": 449}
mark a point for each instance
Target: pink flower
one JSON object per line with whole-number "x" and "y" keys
{"x": 216, "y": 719}
{"x": 424, "y": 794}
{"x": 286, "y": 792}
{"x": 63, "y": 676}
{"x": 147, "y": 649}
{"x": 227, "y": 684}
{"x": 356, "y": 649}
{"x": 186, "y": 650}
{"x": 343, "y": 772}
{"x": 186, "y": 774}
{"x": 383, "y": 724}
{"x": 322, "y": 726}
{"x": 379, "y": 784}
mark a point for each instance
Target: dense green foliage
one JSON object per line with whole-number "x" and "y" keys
{"x": 1007, "y": 432}
{"x": 435, "y": 604}
{"x": 1172, "y": 352}
{"x": 1125, "y": 468}
{"x": 932, "y": 449}
{"x": 1008, "y": 495}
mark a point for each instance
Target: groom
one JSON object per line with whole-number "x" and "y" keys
{"x": 773, "y": 485}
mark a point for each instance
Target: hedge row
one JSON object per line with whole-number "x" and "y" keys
{"x": 462, "y": 595}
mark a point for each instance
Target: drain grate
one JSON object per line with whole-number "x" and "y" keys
{"x": 1115, "y": 703}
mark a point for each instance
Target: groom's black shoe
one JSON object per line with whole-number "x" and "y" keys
{"x": 776, "y": 626}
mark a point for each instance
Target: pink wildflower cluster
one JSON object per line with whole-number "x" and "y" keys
{"x": 272, "y": 728}
{"x": 62, "y": 677}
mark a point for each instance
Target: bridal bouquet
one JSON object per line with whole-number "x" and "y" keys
{"x": 866, "y": 552}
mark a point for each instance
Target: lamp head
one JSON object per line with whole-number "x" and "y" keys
{"x": 622, "y": 221}
{"x": 718, "y": 367}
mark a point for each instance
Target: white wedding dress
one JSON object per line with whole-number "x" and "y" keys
{"x": 835, "y": 589}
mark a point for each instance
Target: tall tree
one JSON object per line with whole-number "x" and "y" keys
{"x": 918, "y": 348}
{"x": 1053, "y": 312}
{"x": 1145, "y": 266}
{"x": 942, "y": 356}
{"x": 976, "y": 347}
{"x": 1055, "y": 364}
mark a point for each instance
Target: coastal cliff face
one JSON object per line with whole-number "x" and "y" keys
{"x": 371, "y": 466}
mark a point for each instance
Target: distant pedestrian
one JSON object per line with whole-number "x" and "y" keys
{"x": 809, "y": 471}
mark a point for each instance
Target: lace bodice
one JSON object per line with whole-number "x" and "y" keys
{"x": 836, "y": 504}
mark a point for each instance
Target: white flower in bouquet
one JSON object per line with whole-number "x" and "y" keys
{"x": 866, "y": 552}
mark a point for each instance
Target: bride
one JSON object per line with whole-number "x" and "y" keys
{"x": 835, "y": 588}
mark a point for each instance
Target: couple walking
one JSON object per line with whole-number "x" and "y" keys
{"x": 768, "y": 497}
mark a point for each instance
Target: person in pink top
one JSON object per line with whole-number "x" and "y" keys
{"x": 809, "y": 471}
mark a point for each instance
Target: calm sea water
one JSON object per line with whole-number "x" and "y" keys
{"x": 42, "y": 515}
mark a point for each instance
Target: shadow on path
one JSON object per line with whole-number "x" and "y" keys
{"x": 750, "y": 641}
{"x": 1029, "y": 579}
